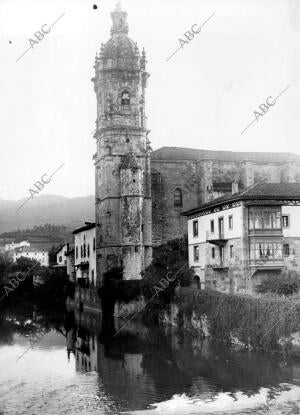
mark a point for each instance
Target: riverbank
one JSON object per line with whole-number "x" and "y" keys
{"x": 256, "y": 323}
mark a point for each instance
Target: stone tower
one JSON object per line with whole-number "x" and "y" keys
{"x": 122, "y": 161}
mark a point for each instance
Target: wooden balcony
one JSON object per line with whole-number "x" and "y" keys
{"x": 266, "y": 264}
{"x": 265, "y": 232}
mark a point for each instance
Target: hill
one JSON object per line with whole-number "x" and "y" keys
{"x": 45, "y": 209}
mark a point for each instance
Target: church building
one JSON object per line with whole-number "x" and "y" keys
{"x": 140, "y": 193}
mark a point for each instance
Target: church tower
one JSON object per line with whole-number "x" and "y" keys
{"x": 122, "y": 161}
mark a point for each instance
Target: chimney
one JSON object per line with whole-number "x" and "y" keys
{"x": 235, "y": 187}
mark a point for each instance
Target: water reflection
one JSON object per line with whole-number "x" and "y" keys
{"x": 81, "y": 366}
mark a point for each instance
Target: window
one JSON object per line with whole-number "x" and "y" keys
{"x": 213, "y": 253}
{"x": 265, "y": 250}
{"x": 230, "y": 222}
{"x": 136, "y": 249}
{"x": 93, "y": 276}
{"x": 60, "y": 259}
{"x": 196, "y": 253}
{"x": 94, "y": 244}
{"x": 285, "y": 221}
{"x": 231, "y": 251}
{"x": 84, "y": 250}
{"x": 195, "y": 228}
{"x": 88, "y": 250}
{"x": 81, "y": 251}
{"x": 125, "y": 98}
{"x": 286, "y": 249}
{"x": 178, "y": 198}
{"x": 212, "y": 226}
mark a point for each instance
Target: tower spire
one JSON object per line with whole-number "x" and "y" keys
{"x": 119, "y": 19}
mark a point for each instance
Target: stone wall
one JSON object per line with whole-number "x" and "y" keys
{"x": 292, "y": 262}
{"x": 166, "y": 177}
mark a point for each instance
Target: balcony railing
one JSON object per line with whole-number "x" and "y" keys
{"x": 83, "y": 265}
{"x": 220, "y": 266}
{"x": 216, "y": 238}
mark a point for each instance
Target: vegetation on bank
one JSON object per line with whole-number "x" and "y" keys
{"x": 257, "y": 322}
{"x": 16, "y": 280}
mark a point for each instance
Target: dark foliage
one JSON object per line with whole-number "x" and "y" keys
{"x": 54, "y": 289}
{"x": 285, "y": 283}
{"x": 47, "y": 231}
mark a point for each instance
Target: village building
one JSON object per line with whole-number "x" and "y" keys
{"x": 14, "y": 245}
{"x": 236, "y": 241}
{"x": 61, "y": 258}
{"x": 86, "y": 297}
{"x": 70, "y": 258}
{"x": 141, "y": 194}
{"x": 85, "y": 255}
{"x": 32, "y": 253}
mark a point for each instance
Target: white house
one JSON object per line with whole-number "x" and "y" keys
{"x": 235, "y": 241}
{"x": 41, "y": 256}
{"x": 85, "y": 254}
{"x": 13, "y": 245}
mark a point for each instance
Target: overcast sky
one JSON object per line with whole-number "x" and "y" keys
{"x": 203, "y": 97}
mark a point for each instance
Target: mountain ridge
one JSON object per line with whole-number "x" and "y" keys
{"x": 46, "y": 208}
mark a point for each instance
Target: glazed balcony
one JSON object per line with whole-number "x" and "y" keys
{"x": 266, "y": 259}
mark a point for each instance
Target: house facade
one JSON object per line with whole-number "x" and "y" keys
{"x": 61, "y": 255}
{"x": 70, "y": 257}
{"x": 41, "y": 256}
{"x": 85, "y": 255}
{"x": 235, "y": 241}
{"x": 13, "y": 245}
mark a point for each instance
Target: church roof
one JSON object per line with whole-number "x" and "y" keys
{"x": 183, "y": 153}
{"x": 119, "y": 45}
{"x": 258, "y": 191}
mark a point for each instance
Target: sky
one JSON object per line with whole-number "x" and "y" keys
{"x": 203, "y": 97}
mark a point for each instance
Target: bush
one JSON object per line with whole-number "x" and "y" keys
{"x": 285, "y": 283}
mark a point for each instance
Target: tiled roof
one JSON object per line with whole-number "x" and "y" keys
{"x": 29, "y": 249}
{"x": 258, "y": 191}
{"x": 88, "y": 225}
{"x": 182, "y": 153}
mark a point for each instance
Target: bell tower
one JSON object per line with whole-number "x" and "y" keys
{"x": 122, "y": 160}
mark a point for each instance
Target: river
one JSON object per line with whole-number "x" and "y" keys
{"x": 65, "y": 363}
